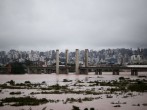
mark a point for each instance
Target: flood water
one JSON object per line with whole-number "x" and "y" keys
{"x": 99, "y": 104}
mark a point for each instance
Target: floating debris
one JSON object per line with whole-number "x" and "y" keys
{"x": 116, "y": 106}
{"x": 109, "y": 96}
{"x": 145, "y": 104}
{"x": 136, "y": 105}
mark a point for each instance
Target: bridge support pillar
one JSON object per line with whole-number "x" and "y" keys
{"x": 35, "y": 71}
{"x": 28, "y": 69}
{"x": 116, "y": 72}
{"x": 83, "y": 71}
{"x": 45, "y": 71}
{"x": 57, "y": 61}
{"x": 77, "y": 61}
{"x": 38, "y": 71}
{"x": 66, "y": 64}
{"x": 63, "y": 71}
{"x": 134, "y": 72}
{"x": 86, "y": 60}
{"x": 50, "y": 71}
{"x": 98, "y": 71}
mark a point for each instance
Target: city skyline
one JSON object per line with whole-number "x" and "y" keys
{"x": 71, "y": 50}
{"x": 108, "y": 56}
{"x": 96, "y": 24}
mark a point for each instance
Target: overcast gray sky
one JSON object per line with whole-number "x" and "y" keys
{"x": 62, "y": 24}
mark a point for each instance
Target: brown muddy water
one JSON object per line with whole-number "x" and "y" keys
{"x": 101, "y": 102}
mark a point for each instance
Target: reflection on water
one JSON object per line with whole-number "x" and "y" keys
{"x": 103, "y": 103}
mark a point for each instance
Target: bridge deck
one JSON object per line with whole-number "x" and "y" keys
{"x": 114, "y": 67}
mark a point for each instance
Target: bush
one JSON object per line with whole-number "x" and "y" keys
{"x": 21, "y": 101}
{"x": 11, "y": 82}
{"x": 121, "y": 78}
{"x": 75, "y": 108}
{"x": 91, "y": 108}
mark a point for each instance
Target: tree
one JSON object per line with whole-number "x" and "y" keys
{"x": 17, "y": 68}
{"x": 28, "y": 62}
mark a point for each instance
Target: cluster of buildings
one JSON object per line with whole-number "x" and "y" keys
{"x": 102, "y": 57}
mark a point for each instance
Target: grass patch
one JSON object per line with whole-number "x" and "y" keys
{"x": 15, "y": 93}
{"x": 21, "y": 101}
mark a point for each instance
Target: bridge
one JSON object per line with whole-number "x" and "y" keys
{"x": 84, "y": 70}
{"x": 77, "y": 68}
{"x": 115, "y": 69}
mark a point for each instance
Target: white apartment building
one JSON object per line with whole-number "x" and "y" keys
{"x": 136, "y": 59}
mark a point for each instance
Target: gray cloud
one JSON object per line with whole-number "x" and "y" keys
{"x": 93, "y": 24}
